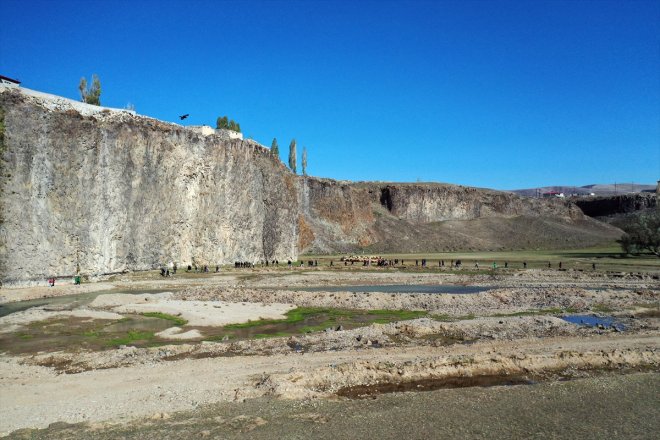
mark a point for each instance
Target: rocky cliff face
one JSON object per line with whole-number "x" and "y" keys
{"x": 109, "y": 191}
{"x": 425, "y": 203}
{"x": 113, "y": 192}
{"x": 620, "y": 204}
{"x": 423, "y": 217}
{"x": 335, "y": 216}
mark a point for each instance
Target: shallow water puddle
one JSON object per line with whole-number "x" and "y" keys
{"x": 399, "y": 288}
{"x": 594, "y": 321}
{"x": 366, "y": 391}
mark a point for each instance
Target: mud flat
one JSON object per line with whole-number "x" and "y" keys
{"x": 358, "y": 344}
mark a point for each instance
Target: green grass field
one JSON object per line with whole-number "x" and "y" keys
{"x": 606, "y": 259}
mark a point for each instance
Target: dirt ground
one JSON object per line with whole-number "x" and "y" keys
{"x": 512, "y": 330}
{"x": 610, "y": 406}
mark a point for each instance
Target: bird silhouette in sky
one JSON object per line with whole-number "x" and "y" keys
{"x": 182, "y": 117}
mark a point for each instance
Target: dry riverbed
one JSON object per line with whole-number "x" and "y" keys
{"x": 119, "y": 356}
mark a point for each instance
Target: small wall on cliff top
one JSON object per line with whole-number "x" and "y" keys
{"x": 113, "y": 192}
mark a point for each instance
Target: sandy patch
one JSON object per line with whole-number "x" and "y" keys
{"x": 14, "y": 294}
{"x": 177, "y": 333}
{"x": 13, "y": 322}
{"x": 120, "y": 299}
{"x": 210, "y": 313}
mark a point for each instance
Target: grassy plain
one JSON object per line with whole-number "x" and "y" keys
{"x": 607, "y": 258}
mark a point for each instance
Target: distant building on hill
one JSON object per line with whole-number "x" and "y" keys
{"x": 206, "y": 130}
{"x": 9, "y": 82}
{"x": 550, "y": 194}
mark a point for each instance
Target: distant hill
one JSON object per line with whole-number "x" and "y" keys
{"x": 598, "y": 189}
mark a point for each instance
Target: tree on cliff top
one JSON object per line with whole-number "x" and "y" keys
{"x": 292, "y": 156}
{"x": 304, "y": 161}
{"x": 92, "y": 94}
{"x": 275, "y": 149}
{"x": 227, "y": 124}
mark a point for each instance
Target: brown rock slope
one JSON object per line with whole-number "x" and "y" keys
{"x": 407, "y": 217}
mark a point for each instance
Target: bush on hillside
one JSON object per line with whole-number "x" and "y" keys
{"x": 642, "y": 234}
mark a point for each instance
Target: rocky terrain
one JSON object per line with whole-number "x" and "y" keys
{"x": 389, "y": 217}
{"x": 110, "y": 191}
{"x": 513, "y": 332}
{"x": 603, "y": 206}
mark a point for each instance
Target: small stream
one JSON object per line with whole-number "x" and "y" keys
{"x": 68, "y": 301}
{"x": 370, "y": 391}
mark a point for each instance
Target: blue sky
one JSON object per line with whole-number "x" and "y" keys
{"x": 493, "y": 94}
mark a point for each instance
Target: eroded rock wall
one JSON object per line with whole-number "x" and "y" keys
{"x": 108, "y": 191}
{"x": 426, "y": 203}
{"x": 113, "y": 192}
{"x": 434, "y": 217}
{"x": 620, "y": 204}
{"x": 335, "y": 216}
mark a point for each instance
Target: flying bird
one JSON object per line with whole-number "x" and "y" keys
{"x": 182, "y": 117}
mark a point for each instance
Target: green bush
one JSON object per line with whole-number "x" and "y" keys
{"x": 223, "y": 122}
{"x": 642, "y": 234}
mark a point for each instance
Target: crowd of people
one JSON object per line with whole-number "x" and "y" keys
{"x": 377, "y": 261}
{"x": 166, "y": 271}
{"x": 365, "y": 260}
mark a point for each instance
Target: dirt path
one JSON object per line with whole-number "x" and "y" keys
{"x": 609, "y": 406}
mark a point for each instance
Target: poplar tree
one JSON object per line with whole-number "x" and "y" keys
{"x": 303, "y": 162}
{"x": 94, "y": 96}
{"x": 292, "y": 156}
{"x": 275, "y": 149}
{"x": 82, "y": 87}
